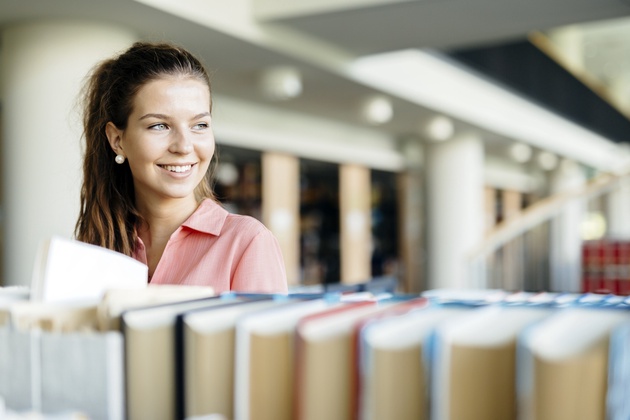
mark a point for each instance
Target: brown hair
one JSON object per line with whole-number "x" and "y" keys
{"x": 108, "y": 216}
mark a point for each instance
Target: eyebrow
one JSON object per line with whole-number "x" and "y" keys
{"x": 164, "y": 117}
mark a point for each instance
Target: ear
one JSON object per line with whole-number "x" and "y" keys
{"x": 114, "y": 136}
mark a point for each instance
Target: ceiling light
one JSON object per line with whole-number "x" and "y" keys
{"x": 547, "y": 161}
{"x": 521, "y": 152}
{"x": 439, "y": 128}
{"x": 377, "y": 110}
{"x": 281, "y": 83}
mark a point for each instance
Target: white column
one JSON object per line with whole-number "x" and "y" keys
{"x": 618, "y": 211}
{"x": 565, "y": 248}
{"x": 455, "y": 208}
{"x": 42, "y": 69}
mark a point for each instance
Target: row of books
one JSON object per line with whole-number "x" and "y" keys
{"x": 167, "y": 352}
{"x": 606, "y": 266}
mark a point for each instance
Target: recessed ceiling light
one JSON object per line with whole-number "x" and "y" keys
{"x": 281, "y": 83}
{"x": 377, "y": 110}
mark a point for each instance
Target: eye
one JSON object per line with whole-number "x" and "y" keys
{"x": 158, "y": 127}
{"x": 201, "y": 126}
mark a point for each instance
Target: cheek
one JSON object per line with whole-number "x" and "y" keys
{"x": 208, "y": 149}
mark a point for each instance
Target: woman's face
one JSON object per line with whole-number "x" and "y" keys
{"x": 168, "y": 141}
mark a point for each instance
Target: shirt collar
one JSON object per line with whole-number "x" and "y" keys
{"x": 208, "y": 218}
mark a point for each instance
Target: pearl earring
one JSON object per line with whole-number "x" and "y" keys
{"x": 120, "y": 159}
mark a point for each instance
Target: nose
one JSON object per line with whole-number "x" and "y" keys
{"x": 181, "y": 142}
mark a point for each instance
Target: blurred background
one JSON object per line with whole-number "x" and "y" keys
{"x": 461, "y": 143}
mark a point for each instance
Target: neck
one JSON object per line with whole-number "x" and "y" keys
{"x": 162, "y": 218}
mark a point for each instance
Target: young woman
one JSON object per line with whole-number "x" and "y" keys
{"x": 147, "y": 176}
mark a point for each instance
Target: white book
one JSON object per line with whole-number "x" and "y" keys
{"x": 83, "y": 372}
{"x": 66, "y": 270}
{"x": 16, "y": 379}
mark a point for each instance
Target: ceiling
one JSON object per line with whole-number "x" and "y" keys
{"x": 354, "y": 29}
{"x": 392, "y": 25}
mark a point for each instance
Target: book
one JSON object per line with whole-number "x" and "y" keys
{"x": 16, "y": 370}
{"x": 53, "y": 360}
{"x": 265, "y": 360}
{"x": 474, "y": 373}
{"x": 206, "y": 351}
{"x": 149, "y": 335}
{"x": 67, "y": 270}
{"x": 400, "y": 305}
{"x": 8, "y": 297}
{"x": 564, "y": 363}
{"x": 617, "y": 402}
{"x": 116, "y": 301}
{"x": 82, "y": 372}
{"x": 324, "y": 361}
{"x": 394, "y": 363}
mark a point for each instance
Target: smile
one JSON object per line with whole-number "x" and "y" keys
{"x": 177, "y": 168}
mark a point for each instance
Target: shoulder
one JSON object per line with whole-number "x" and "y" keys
{"x": 211, "y": 218}
{"x": 244, "y": 224}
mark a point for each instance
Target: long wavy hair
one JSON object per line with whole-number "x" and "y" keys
{"x": 108, "y": 216}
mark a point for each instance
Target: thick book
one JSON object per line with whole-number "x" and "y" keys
{"x": 150, "y": 360}
{"x": 397, "y": 306}
{"x": 394, "y": 363}
{"x": 66, "y": 270}
{"x": 83, "y": 372}
{"x": 205, "y": 356}
{"x": 324, "y": 370}
{"x": 265, "y": 360}
{"x": 475, "y": 362}
{"x": 564, "y": 364}
{"x": 53, "y": 360}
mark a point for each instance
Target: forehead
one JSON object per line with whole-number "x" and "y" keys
{"x": 172, "y": 91}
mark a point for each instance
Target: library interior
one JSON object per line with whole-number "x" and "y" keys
{"x": 448, "y": 183}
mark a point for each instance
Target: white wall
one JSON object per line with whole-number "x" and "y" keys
{"x": 42, "y": 68}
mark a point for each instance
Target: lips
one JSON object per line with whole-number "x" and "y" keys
{"x": 177, "y": 168}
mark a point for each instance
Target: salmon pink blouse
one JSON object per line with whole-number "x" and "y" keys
{"x": 220, "y": 249}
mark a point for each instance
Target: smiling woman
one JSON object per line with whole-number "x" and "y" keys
{"x": 148, "y": 171}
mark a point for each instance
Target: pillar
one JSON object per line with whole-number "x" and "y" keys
{"x": 43, "y": 66}
{"x": 411, "y": 219}
{"x": 455, "y": 209}
{"x": 513, "y": 252}
{"x": 618, "y": 210}
{"x": 565, "y": 250}
{"x": 356, "y": 227}
{"x": 281, "y": 207}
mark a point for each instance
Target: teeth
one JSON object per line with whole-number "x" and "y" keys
{"x": 174, "y": 168}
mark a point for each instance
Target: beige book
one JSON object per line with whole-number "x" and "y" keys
{"x": 265, "y": 361}
{"x": 567, "y": 365}
{"x": 116, "y": 301}
{"x": 53, "y": 317}
{"x": 475, "y": 368}
{"x": 394, "y": 378}
{"x": 209, "y": 352}
{"x": 324, "y": 362}
{"x": 150, "y": 357}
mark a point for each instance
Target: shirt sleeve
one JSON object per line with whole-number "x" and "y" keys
{"x": 261, "y": 267}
